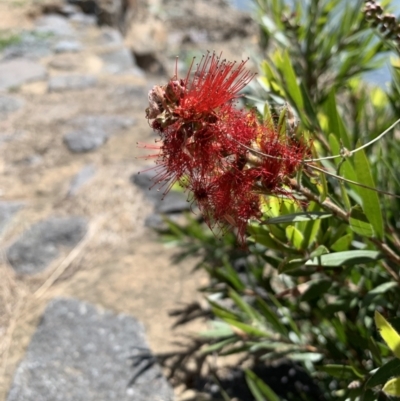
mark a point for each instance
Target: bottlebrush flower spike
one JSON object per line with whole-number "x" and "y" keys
{"x": 224, "y": 156}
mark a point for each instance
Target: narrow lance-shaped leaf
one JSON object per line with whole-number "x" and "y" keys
{"x": 388, "y": 333}
{"x": 370, "y": 199}
{"x": 296, "y": 217}
{"x": 392, "y": 387}
{"x": 346, "y": 258}
{"x": 359, "y": 222}
{"x": 260, "y": 390}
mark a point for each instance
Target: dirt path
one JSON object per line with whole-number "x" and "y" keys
{"x": 82, "y": 81}
{"x": 119, "y": 264}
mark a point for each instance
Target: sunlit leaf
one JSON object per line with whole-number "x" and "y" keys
{"x": 343, "y": 243}
{"x": 388, "y": 333}
{"x": 359, "y": 222}
{"x": 296, "y": 217}
{"x": 370, "y": 199}
{"x": 392, "y": 387}
{"x": 340, "y": 371}
{"x": 346, "y": 258}
{"x": 294, "y": 236}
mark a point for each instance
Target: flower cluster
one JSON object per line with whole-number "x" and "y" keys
{"x": 224, "y": 156}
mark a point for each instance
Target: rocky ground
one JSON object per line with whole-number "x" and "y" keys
{"x": 72, "y": 214}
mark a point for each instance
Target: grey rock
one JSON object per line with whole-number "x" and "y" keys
{"x": 69, "y": 10}
{"x": 130, "y": 94}
{"x": 92, "y": 131}
{"x": 16, "y": 72}
{"x": 117, "y": 61}
{"x": 83, "y": 20}
{"x": 81, "y": 353}
{"x": 39, "y": 245}
{"x": 85, "y": 140}
{"x": 170, "y": 203}
{"x": 61, "y": 83}
{"x": 108, "y": 123}
{"x": 173, "y": 202}
{"x": 54, "y": 24}
{"x": 81, "y": 179}
{"x": 145, "y": 181}
{"x": 68, "y": 46}
{"x": 31, "y": 46}
{"x": 7, "y": 211}
{"x": 111, "y": 36}
{"x": 10, "y": 104}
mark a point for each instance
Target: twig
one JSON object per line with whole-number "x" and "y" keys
{"x": 351, "y": 152}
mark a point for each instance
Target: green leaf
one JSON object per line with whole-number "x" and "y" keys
{"x": 384, "y": 373}
{"x": 383, "y": 288}
{"x": 288, "y": 74}
{"x": 370, "y": 199}
{"x": 271, "y": 317}
{"x": 248, "y": 329}
{"x": 392, "y": 387}
{"x": 244, "y": 306}
{"x": 346, "y": 169}
{"x": 336, "y": 125}
{"x": 388, "y": 333}
{"x": 294, "y": 236}
{"x": 261, "y": 236}
{"x": 343, "y": 243}
{"x": 359, "y": 222}
{"x": 340, "y": 371}
{"x": 218, "y": 346}
{"x": 260, "y": 390}
{"x": 347, "y": 258}
{"x": 296, "y": 217}
{"x": 309, "y": 229}
{"x": 315, "y": 290}
{"x": 218, "y": 330}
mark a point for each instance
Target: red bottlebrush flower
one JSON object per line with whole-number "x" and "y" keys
{"x": 223, "y": 155}
{"x": 215, "y": 83}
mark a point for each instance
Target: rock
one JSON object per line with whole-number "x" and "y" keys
{"x": 107, "y": 123}
{"x": 30, "y": 46}
{"x": 110, "y": 36}
{"x": 85, "y": 140}
{"x": 81, "y": 179}
{"x": 149, "y": 36}
{"x": 93, "y": 131}
{"x": 81, "y": 353}
{"x": 10, "y": 104}
{"x": 83, "y": 20}
{"x": 173, "y": 202}
{"x": 68, "y": 46}
{"x": 108, "y": 12}
{"x": 61, "y": 83}
{"x": 39, "y": 245}
{"x": 7, "y": 211}
{"x": 54, "y": 24}
{"x": 144, "y": 180}
{"x": 117, "y": 61}
{"x": 16, "y": 72}
{"x": 65, "y": 62}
